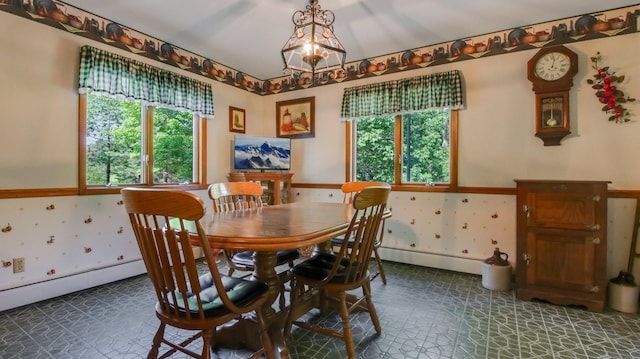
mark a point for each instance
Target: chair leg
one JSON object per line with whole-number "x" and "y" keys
{"x": 347, "y": 335}
{"x": 380, "y": 268}
{"x": 207, "y": 339}
{"x": 157, "y": 340}
{"x": 283, "y": 277}
{"x": 281, "y": 298}
{"x": 267, "y": 347}
{"x": 366, "y": 290}
{"x": 293, "y": 301}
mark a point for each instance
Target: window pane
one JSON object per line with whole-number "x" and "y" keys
{"x": 425, "y": 147}
{"x": 374, "y": 149}
{"x": 113, "y": 141}
{"x": 172, "y": 146}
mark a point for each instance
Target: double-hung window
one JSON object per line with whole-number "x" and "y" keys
{"x": 414, "y": 148}
{"x": 404, "y": 132}
{"x": 139, "y": 125}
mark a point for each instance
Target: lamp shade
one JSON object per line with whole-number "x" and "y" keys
{"x": 313, "y": 46}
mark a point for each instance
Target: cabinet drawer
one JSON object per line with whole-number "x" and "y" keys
{"x": 578, "y": 211}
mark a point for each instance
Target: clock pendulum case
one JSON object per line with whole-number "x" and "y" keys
{"x": 551, "y": 71}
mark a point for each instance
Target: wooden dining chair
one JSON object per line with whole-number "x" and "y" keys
{"x": 345, "y": 270}
{"x": 238, "y": 196}
{"x": 165, "y": 223}
{"x": 349, "y": 190}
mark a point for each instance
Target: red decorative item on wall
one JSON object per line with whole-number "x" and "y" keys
{"x": 605, "y": 82}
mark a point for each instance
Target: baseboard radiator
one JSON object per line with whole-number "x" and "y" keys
{"x": 35, "y": 292}
{"x": 434, "y": 260}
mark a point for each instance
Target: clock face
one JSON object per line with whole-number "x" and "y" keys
{"x": 552, "y": 66}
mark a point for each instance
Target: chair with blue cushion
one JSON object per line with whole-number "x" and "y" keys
{"x": 165, "y": 223}
{"x": 239, "y": 196}
{"x": 349, "y": 190}
{"x": 331, "y": 275}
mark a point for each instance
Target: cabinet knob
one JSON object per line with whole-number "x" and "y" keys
{"x": 596, "y": 198}
{"x": 594, "y": 289}
{"x": 594, "y": 227}
{"x": 526, "y": 210}
{"x": 596, "y": 240}
{"x": 526, "y": 257}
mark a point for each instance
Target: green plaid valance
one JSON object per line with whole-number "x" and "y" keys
{"x": 114, "y": 75}
{"x": 441, "y": 90}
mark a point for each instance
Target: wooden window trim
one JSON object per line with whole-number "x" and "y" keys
{"x": 83, "y": 189}
{"x": 452, "y": 186}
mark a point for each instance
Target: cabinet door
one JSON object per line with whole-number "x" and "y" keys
{"x": 562, "y": 260}
{"x": 563, "y": 210}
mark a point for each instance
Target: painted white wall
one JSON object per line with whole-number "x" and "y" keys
{"x": 497, "y": 142}
{"x": 38, "y": 149}
{"x": 497, "y": 145}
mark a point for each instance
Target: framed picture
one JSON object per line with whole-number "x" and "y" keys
{"x": 295, "y": 118}
{"x": 237, "y": 119}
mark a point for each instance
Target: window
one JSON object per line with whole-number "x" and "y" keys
{"x": 173, "y": 144}
{"x": 414, "y": 148}
{"x": 139, "y": 125}
{"x": 418, "y": 147}
{"x": 119, "y": 152}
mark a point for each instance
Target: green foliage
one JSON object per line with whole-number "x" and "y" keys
{"x": 114, "y": 143}
{"x": 425, "y": 148}
{"x": 172, "y": 146}
{"x": 374, "y": 148}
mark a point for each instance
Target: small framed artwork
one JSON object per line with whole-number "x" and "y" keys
{"x": 296, "y": 118}
{"x": 237, "y": 119}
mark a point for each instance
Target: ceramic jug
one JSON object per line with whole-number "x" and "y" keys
{"x": 496, "y": 272}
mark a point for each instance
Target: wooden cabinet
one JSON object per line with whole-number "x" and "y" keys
{"x": 562, "y": 242}
{"x": 277, "y": 186}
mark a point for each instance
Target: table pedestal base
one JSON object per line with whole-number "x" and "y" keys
{"x": 244, "y": 332}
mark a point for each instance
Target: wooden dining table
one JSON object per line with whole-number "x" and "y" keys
{"x": 265, "y": 230}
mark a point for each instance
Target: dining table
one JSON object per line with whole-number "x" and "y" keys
{"x": 265, "y": 230}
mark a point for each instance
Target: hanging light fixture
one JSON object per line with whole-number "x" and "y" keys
{"x": 313, "y": 47}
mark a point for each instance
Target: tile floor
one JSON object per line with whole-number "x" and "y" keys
{"x": 424, "y": 312}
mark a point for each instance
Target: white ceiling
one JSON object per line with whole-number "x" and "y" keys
{"x": 247, "y": 35}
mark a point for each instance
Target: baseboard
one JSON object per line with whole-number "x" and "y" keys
{"x": 434, "y": 260}
{"x": 16, "y": 297}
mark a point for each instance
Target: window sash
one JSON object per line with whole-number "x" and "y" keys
{"x": 451, "y": 186}
{"x": 199, "y": 155}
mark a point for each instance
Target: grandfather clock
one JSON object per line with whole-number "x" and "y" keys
{"x": 551, "y": 71}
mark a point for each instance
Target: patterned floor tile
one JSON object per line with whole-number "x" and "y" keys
{"x": 425, "y": 314}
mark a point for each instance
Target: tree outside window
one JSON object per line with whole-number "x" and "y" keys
{"x": 118, "y": 151}
{"x": 414, "y": 148}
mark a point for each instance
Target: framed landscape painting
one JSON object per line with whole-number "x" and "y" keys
{"x": 295, "y": 118}
{"x": 237, "y": 120}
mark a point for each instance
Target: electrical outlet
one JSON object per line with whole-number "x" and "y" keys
{"x": 18, "y": 265}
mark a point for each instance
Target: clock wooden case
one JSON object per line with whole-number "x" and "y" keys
{"x": 551, "y": 71}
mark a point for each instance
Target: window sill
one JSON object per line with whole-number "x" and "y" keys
{"x": 415, "y": 187}
{"x": 94, "y": 190}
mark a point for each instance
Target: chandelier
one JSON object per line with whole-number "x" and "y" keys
{"x": 313, "y": 47}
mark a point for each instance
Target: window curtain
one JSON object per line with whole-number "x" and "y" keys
{"x": 114, "y": 75}
{"x": 440, "y": 90}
